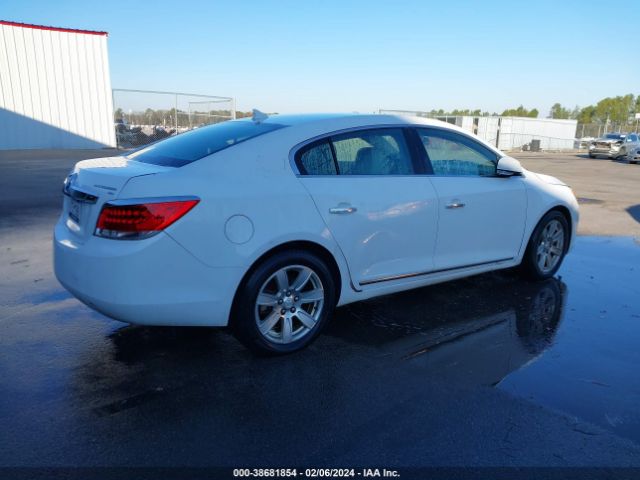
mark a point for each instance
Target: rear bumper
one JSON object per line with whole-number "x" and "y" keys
{"x": 151, "y": 282}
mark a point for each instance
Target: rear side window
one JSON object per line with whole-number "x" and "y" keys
{"x": 380, "y": 151}
{"x": 317, "y": 159}
{"x": 196, "y": 144}
{"x": 373, "y": 152}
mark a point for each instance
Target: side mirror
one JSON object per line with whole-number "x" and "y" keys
{"x": 508, "y": 167}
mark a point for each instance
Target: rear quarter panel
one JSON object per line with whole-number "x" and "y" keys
{"x": 254, "y": 180}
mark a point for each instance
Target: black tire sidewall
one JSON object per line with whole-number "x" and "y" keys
{"x": 529, "y": 263}
{"x": 243, "y": 322}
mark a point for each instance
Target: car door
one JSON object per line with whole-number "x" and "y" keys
{"x": 481, "y": 217}
{"x": 381, "y": 214}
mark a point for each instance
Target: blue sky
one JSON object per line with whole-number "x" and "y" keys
{"x": 297, "y": 56}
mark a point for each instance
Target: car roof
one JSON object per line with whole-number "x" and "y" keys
{"x": 356, "y": 119}
{"x": 302, "y": 128}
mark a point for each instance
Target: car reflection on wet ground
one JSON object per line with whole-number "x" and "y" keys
{"x": 489, "y": 370}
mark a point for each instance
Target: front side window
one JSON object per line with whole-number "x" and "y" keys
{"x": 454, "y": 154}
{"x": 372, "y": 152}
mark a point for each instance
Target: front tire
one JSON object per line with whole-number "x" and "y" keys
{"x": 284, "y": 303}
{"x": 547, "y": 247}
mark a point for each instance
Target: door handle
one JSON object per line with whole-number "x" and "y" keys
{"x": 454, "y": 205}
{"x": 343, "y": 209}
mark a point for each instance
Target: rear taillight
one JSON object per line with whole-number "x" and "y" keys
{"x": 133, "y": 221}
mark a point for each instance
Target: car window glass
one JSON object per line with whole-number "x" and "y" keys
{"x": 453, "y": 154}
{"x": 201, "y": 142}
{"x": 317, "y": 160}
{"x": 373, "y": 152}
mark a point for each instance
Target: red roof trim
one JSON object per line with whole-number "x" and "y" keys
{"x": 54, "y": 29}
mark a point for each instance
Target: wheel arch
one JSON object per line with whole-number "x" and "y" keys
{"x": 567, "y": 216}
{"x": 566, "y": 213}
{"x": 312, "y": 247}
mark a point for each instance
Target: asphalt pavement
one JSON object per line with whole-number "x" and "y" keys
{"x": 489, "y": 371}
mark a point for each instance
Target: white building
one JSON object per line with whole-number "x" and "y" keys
{"x": 513, "y": 133}
{"x": 55, "y": 90}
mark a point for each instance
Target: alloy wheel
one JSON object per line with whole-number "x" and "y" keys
{"x": 550, "y": 246}
{"x": 289, "y": 304}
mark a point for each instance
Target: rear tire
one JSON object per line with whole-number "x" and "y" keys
{"x": 547, "y": 247}
{"x": 284, "y": 303}
{"x": 591, "y": 155}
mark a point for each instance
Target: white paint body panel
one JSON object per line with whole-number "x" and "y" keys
{"x": 188, "y": 275}
{"x": 374, "y": 238}
{"x": 490, "y": 225}
{"x": 55, "y": 89}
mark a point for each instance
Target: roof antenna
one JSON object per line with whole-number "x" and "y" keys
{"x": 259, "y": 116}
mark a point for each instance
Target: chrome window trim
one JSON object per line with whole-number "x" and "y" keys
{"x": 327, "y": 135}
{"x": 299, "y": 146}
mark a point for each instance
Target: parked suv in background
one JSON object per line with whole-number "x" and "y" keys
{"x": 614, "y": 145}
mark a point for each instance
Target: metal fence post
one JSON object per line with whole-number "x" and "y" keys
{"x": 113, "y": 110}
{"x": 176, "y": 113}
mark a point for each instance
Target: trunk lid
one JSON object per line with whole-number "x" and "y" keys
{"x": 94, "y": 182}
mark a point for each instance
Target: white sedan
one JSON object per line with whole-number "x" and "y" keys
{"x": 266, "y": 224}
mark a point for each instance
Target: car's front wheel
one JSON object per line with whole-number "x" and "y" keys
{"x": 284, "y": 303}
{"x": 547, "y": 247}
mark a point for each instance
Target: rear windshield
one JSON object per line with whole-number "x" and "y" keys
{"x": 196, "y": 144}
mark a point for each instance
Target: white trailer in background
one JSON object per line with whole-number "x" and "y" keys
{"x": 513, "y": 133}
{"x": 520, "y": 133}
{"x": 553, "y": 134}
{"x": 55, "y": 90}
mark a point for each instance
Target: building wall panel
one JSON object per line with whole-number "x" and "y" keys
{"x": 55, "y": 90}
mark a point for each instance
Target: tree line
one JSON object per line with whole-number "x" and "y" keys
{"x": 612, "y": 109}
{"x": 519, "y": 111}
{"x": 618, "y": 109}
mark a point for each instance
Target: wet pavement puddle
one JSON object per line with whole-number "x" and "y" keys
{"x": 569, "y": 344}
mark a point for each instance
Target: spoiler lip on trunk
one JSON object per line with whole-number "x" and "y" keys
{"x": 74, "y": 192}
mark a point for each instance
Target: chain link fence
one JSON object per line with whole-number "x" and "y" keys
{"x": 587, "y": 131}
{"x": 144, "y": 116}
